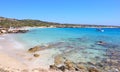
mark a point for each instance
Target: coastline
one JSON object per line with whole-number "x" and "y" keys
{"x": 15, "y": 56}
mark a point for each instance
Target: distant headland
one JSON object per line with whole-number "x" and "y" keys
{"x": 10, "y": 22}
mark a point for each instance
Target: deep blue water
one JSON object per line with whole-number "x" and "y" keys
{"x": 74, "y": 43}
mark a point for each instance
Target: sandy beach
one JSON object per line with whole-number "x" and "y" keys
{"x": 7, "y": 54}
{"x": 15, "y": 58}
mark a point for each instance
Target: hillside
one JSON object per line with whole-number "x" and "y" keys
{"x": 8, "y": 22}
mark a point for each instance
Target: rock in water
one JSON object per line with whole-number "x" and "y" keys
{"x": 53, "y": 67}
{"x": 62, "y": 68}
{"x": 80, "y": 66}
{"x": 70, "y": 65}
{"x": 93, "y": 69}
{"x": 22, "y": 31}
{"x": 91, "y": 63}
{"x": 34, "y": 49}
{"x": 36, "y": 55}
{"x": 58, "y": 60}
{"x": 101, "y": 43}
{"x": 99, "y": 64}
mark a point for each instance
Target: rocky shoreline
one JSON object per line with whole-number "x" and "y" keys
{"x": 65, "y": 65}
{"x": 62, "y": 64}
{"x": 7, "y": 30}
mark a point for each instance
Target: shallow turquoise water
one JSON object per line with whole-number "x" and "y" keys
{"x": 74, "y": 43}
{"x": 45, "y": 35}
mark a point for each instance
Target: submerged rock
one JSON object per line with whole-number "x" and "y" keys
{"x": 91, "y": 63}
{"x": 81, "y": 66}
{"x": 58, "y": 60}
{"x": 36, "y": 55}
{"x": 93, "y": 69}
{"x": 70, "y": 65}
{"x": 100, "y": 43}
{"x": 34, "y": 49}
{"x": 54, "y": 67}
{"x": 113, "y": 70}
{"x": 107, "y": 68}
{"x": 99, "y": 64}
{"x": 62, "y": 68}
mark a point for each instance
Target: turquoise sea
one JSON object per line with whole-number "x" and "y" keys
{"x": 76, "y": 44}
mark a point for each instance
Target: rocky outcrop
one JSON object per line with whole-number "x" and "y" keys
{"x": 93, "y": 69}
{"x": 69, "y": 65}
{"x": 64, "y": 65}
{"x": 36, "y": 55}
{"x": 6, "y": 30}
{"x": 58, "y": 60}
{"x": 62, "y": 68}
{"x": 3, "y": 31}
{"x": 54, "y": 67}
{"x": 100, "y": 43}
{"x": 21, "y": 31}
{"x": 34, "y": 49}
{"x": 81, "y": 66}
{"x": 18, "y": 31}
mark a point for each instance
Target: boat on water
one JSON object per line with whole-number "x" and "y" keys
{"x": 100, "y": 30}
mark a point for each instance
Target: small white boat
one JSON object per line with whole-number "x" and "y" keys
{"x": 101, "y": 30}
